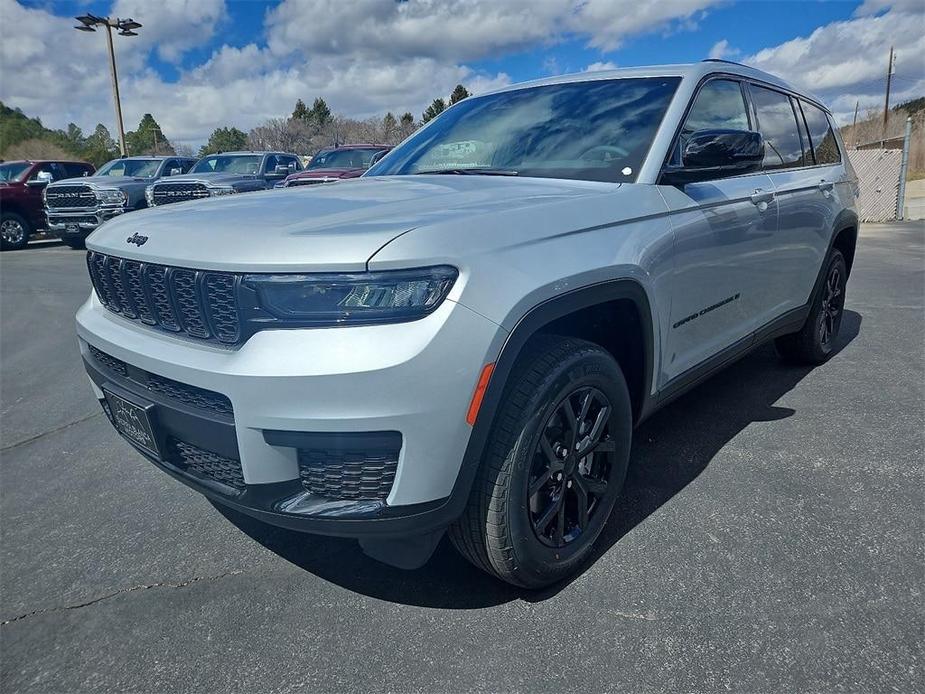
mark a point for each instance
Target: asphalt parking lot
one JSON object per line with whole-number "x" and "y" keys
{"x": 770, "y": 539}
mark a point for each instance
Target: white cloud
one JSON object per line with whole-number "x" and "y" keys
{"x": 465, "y": 29}
{"x": 598, "y": 66}
{"x": 722, "y": 50}
{"x": 844, "y": 62}
{"x": 175, "y": 27}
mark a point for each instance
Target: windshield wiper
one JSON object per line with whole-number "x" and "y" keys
{"x": 474, "y": 171}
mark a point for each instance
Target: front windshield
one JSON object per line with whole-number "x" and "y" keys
{"x": 140, "y": 168}
{"x": 343, "y": 158}
{"x": 228, "y": 163}
{"x": 13, "y": 171}
{"x": 598, "y": 130}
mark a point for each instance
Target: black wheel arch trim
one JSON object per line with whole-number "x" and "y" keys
{"x": 525, "y": 328}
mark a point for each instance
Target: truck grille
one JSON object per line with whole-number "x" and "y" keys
{"x": 198, "y": 303}
{"x": 70, "y": 196}
{"x": 166, "y": 193}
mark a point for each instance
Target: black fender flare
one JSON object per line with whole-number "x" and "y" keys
{"x": 540, "y": 315}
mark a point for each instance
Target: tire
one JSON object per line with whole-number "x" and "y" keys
{"x": 815, "y": 342}
{"x": 502, "y": 530}
{"x": 14, "y": 231}
{"x": 78, "y": 244}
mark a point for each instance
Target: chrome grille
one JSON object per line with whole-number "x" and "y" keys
{"x": 70, "y": 196}
{"x": 166, "y": 193}
{"x": 199, "y": 303}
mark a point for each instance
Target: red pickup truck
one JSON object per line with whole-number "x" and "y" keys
{"x": 22, "y": 211}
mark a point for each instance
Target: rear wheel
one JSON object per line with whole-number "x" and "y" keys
{"x": 14, "y": 231}
{"x": 553, "y": 467}
{"x": 815, "y": 342}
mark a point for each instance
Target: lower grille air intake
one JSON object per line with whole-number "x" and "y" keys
{"x": 205, "y": 463}
{"x": 357, "y": 466}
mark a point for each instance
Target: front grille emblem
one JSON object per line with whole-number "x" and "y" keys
{"x": 137, "y": 239}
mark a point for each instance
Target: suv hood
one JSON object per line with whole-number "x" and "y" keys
{"x": 211, "y": 178}
{"x": 334, "y": 227}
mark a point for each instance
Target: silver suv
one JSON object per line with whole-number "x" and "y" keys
{"x": 464, "y": 338}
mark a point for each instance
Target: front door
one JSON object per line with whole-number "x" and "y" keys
{"x": 722, "y": 229}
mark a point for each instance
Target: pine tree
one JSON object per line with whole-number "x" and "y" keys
{"x": 459, "y": 93}
{"x": 434, "y": 110}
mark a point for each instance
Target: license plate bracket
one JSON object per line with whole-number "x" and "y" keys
{"x": 134, "y": 421}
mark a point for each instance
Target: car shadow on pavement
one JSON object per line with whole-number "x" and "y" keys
{"x": 670, "y": 450}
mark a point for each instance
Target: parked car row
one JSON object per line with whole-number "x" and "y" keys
{"x": 70, "y": 199}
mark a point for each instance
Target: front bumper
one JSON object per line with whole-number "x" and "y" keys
{"x": 71, "y": 223}
{"x": 288, "y": 389}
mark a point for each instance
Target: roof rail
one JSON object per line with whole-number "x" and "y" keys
{"x": 722, "y": 60}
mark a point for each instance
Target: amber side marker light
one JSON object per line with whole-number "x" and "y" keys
{"x": 479, "y": 393}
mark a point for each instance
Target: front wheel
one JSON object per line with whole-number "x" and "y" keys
{"x": 815, "y": 342}
{"x": 554, "y": 465}
{"x": 14, "y": 232}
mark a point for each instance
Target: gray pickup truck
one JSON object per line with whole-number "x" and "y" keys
{"x": 75, "y": 207}
{"x": 225, "y": 174}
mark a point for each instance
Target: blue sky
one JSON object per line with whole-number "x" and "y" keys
{"x": 198, "y": 64}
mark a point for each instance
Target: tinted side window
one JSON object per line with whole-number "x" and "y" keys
{"x": 778, "y": 126}
{"x": 270, "y": 164}
{"x": 719, "y": 104}
{"x": 820, "y": 134}
{"x": 186, "y": 164}
{"x": 807, "y": 159}
{"x": 76, "y": 170}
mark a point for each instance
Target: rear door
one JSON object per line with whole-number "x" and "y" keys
{"x": 722, "y": 228}
{"x": 803, "y": 190}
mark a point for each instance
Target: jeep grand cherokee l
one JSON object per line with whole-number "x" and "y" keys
{"x": 75, "y": 208}
{"x": 225, "y": 174}
{"x": 21, "y": 187}
{"x": 463, "y": 339}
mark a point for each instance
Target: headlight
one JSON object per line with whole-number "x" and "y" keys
{"x": 111, "y": 196}
{"x": 221, "y": 190}
{"x": 149, "y": 195}
{"x": 367, "y": 297}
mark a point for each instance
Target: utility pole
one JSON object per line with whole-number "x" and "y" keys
{"x": 854, "y": 125}
{"x": 125, "y": 27}
{"x": 886, "y": 101}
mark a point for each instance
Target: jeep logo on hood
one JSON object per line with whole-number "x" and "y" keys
{"x": 137, "y": 239}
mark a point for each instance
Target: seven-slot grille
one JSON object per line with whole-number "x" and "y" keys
{"x": 198, "y": 303}
{"x": 70, "y": 196}
{"x": 165, "y": 193}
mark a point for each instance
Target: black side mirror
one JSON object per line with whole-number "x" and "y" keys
{"x": 717, "y": 154}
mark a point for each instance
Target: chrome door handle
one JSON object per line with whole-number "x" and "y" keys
{"x": 761, "y": 196}
{"x": 826, "y": 187}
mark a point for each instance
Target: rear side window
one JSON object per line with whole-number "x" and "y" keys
{"x": 825, "y": 149}
{"x": 778, "y": 125}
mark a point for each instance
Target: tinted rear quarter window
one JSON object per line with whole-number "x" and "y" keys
{"x": 825, "y": 149}
{"x": 777, "y": 124}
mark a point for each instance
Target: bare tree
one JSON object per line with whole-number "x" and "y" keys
{"x": 282, "y": 134}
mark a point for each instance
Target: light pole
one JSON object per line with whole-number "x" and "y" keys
{"x": 125, "y": 27}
